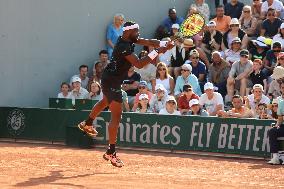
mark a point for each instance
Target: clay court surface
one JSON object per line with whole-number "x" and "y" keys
{"x": 48, "y": 166}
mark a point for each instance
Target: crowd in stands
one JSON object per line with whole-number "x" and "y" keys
{"x": 233, "y": 68}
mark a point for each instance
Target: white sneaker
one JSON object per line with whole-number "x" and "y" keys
{"x": 274, "y": 161}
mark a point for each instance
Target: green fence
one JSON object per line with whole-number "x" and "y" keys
{"x": 239, "y": 136}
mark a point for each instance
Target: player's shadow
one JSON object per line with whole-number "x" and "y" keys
{"x": 50, "y": 179}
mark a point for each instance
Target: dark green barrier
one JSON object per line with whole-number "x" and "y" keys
{"x": 240, "y": 136}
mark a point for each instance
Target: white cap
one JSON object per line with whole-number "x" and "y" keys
{"x": 258, "y": 86}
{"x": 260, "y": 41}
{"x": 278, "y": 72}
{"x": 211, "y": 23}
{"x": 208, "y": 85}
{"x": 176, "y": 26}
{"x": 194, "y": 51}
{"x": 160, "y": 87}
{"x": 143, "y": 96}
{"x": 187, "y": 67}
{"x": 275, "y": 101}
{"x": 282, "y": 26}
{"x": 234, "y": 21}
{"x": 193, "y": 102}
{"x": 171, "y": 98}
{"x": 76, "y": 79}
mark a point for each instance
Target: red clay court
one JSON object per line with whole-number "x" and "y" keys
{"x": 49, "y": 166}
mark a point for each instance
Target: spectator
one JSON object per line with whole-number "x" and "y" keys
{"x": 126, "y": 107}
{"x": 158, "y": 101}
{"x": 103, "y": 58}
{"x": 130, "y": 84}
{"x": 171, "y": 107}
{"x": 280, "y": 36}
{"x": 172, "y": 19}
{"x": 256, "y": 9}
{"x": 281, "y": 86}
{"x": 280, "y": 59}
{"x": 212, "y": 39}
{"x": 238, "y": 110}
{"x": 202, "y": 8}
{"x": 143, "y": 104}
{"x": 78, "y": 92}
{"x": 256, "y": 98}
{"x": 195, "y": 109}
{"x": 95, "y": 91}
{"x": 233, "y": 54}
{"x": 218, "y": 73}
{"x": 217, "y": 2}
{"x": 166, "y": 57}
{"x": 262, "y": 112}
{"x": 65, "y": 91}
{"x": 238, "y": 75}
{"x": 142, "y": 89}
{"x": 234, "y": 9}
{"x": 257, "y": 76}
{"x": 185, "y": 97}
{"x": 259, "y": 50}
{"x": 147, "y": 73}
{"x": 175, "y": 29}
{"x": 222, "y": 21}
{"x": 163, "y": 77}
{"x": 248, "y": 22}
{"x": 114, "y": 30}
{"x": 271, "y": 25}
{"x": 83, "y": 72}
{"x": 274, "y": 107}
{"x": 271, "y": 4}
{"x": 275, "y": 132}
{"x": 274, "y": 87}
{"x": 97, "y": 73}
{"x": 213, "y": 101}
{"x": 270, "y": 60}
{"x": 234, "y": 32}
{"x": 187, "y": 77}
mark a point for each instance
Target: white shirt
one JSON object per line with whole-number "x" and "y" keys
{"x": 82, "y": 94}
{"x": 210, "y": 105}
{"x": 264, "y": 99}
{"x": 165, "y": 112}
{"x": 278, "y": 37}
{"x": 277, "y": 5}
{"x": 60, "y": 95}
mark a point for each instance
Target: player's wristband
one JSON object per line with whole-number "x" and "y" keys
{"x": 163, "y": 43}
{"x": 153, "y": 54}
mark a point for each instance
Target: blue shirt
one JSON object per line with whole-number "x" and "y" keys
{"x": 167, "y": 23}
{"x": 112, "y": 35}
{"x": 192, "y": 80}
{"x": 199, "y": 69}
{"x": 280, "y": 109}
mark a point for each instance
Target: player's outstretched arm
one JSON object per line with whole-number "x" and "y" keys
{"x": 149, "y": 42}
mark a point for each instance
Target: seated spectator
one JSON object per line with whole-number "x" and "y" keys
{"x": 280, "y": 59}
{"x": 271, "y": 25}
{"x": 114, "y": 30}
{"x": 233, "y": 54}
{"x": 248, "y": 22}
{"x": 238, "y": 75}
{"x": 257, "y": 97}
{"x": 83, "y": 72}
{"x": 222, "y": 21}
{"x": 130, "y": 84}
{"x": 95, "y": 91}
{"x": 125, "y": 105}
{"x": 158, "y": 100}
{"x": 148, "y": 72}
{"x": 273, "y": 108}
{"x": 238, "y": 110}
{"x": 270, "y": 61}
{"x": 262, "y": 112}
{"x": 187, "y": 77}
{"x": 259, "y": 50}
{"x": 280, "y": 36}
{"x": 198, "y": 67}
{"x": 78, "y": 92}
{"x": 212, "y": 39}
{"x": 171, "y": 107}
{"x": 212, "y": 101}
{"x": 143, "y": 105}
{"x": 278, "y": 78}
{"x": 97, "y": 73}
{"x": 185, "y": 97}
{"x": 65, "y": 91}
{"x": 234, "y": 9}
{"x": 172, "y": 19}
{"x": 234, "y": 32}
{"x": 257, "y": 76}
{"x": 166, "y": 57}
{"x": 175, "y": 29}
{"x": 276, "y": 131}
{"x": 195, "y": 108}
{"x": 218, "y": 73}
{"x": 164, "y": 78}
{"x": 142, "y": 89}
{"x": 271, "y": 4}
{"x": 103, "y": 58}
{"x": 256, "y": 9}
{"x": 202, "y": 8}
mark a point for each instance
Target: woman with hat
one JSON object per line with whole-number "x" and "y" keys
{"x": 171, "y": 107}
{"x": 195, "y": 108}
{"x": 232, "y": 54}
{"x": 232, "y": 33}
{"x": 143, "y": 104}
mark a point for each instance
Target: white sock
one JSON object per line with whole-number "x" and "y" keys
{"x": 275, "y": 155}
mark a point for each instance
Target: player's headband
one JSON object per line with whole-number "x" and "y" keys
{"x": 130, "y": 27}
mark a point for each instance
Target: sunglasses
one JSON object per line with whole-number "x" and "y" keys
{"x": 277, "y": 50}
{"x": 270, "y": 14}
{"x": 144, "y": 99}
{"x": 234, "y": 25}
{"x": 142, "y": 87}
{"x": 244, "y": 56}
{"x": 187, "y": 90}
{"x": 159, "y": 91}
{"x": 195, "y": 57}
{"x": 162, "y": 69}
{"x": 184, "y": 70}
{"x": 171, "y": 102}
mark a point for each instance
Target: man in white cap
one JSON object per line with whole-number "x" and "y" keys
{"x": 171, "y": 107}
{"x": 187, "y": 77}
{"x": 78, "y": 91}
{"x": 158, "y": 100}
{"x": 213, "y": 101}
{"x": 195, "y": 108}
{"x": 83, "y": 72}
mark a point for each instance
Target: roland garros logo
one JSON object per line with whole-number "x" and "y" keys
{"x": 16, "y": 122}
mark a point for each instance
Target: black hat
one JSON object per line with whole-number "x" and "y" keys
{"x": 244, "y": 52}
